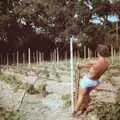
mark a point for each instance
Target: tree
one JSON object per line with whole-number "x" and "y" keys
{"x": 20, "y": 19}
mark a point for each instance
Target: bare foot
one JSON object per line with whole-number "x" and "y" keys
{"x": 78, "y": 113}
{"x": 74, "y": 114}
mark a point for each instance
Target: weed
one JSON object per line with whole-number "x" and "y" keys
{"x": 8, "y": 114}
{"x": 67, "y": 101}
{"x": 109, "y": 111}
{"x": 11, "y": 80}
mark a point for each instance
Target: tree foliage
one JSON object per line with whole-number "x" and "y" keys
{"x": 20, "y": 19}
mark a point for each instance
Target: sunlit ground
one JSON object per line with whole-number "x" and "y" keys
{"x": 49, "y": 98}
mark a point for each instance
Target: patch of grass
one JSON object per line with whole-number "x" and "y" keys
{"x": 67, "y": 104}
{"x": 65, "y": 97}
{"x": 7, "y": 114}
{"x": 114, "y": 66}
{"x": 109, "y": 111}
{"x": 42, "y": 86}
{"x": 113, "y": 71}
{"x": 118, "y": 97}
{"x": 11, "y": 80}
{"x": 67, "y": 101}
{"x": 57, "y": 75}
{"x": 59, "y": 80}
{"x": 29, "y": 88}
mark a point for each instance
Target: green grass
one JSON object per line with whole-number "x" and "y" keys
{"x": 65, "y": 97}
{"x": 109, "y": 111}
{"x": 11, "y": 80}
{"x": 8, "y": 114}
{"x": 67, "y": 100}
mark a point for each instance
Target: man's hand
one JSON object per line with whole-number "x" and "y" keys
{"x": 88, "y": 65}
{"x": 79, "y": 66}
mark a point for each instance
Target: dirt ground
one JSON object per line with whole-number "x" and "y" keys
{"x": 56, "y": 104}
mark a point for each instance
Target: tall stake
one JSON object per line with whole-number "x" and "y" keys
{"x": 112, "y": 52}
{"x": 85, "y": 53}
{"x": 29, "y": 55}
{"x": 17, "y": 58}
{"x": 71, "y": 63}
{"x": 119, "y": 54}
{"x": 7, "y": 60}
{"x": 57, "y": 55}
{"x": 117, "y": 36}
{"x": 23, "y": 56}
{"x": 40, "y": 57}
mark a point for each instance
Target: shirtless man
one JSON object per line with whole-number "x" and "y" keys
{"x": 91, "y": 80}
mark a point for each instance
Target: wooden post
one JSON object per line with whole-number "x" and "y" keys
{"x": 114, "y": 55}
{"x": 66, "y": 56}
{"x": 54, "y": 56}
{"x": 112, "y": 52}
{"x": 78, "y": 55}
{"x": 57, "y": 55}
{"x": 17, "y": 58}
{"x": 119, "y": 54}
{"x": 29, "y": 58}
{"x": 89, "y": 53}
{"x": 37, "y": 56}
{"x": 76, "y": 85}
{"x": 43, "y": 57}
{"x": 40, "y": 57}
{"x": 7, "y": 60}
{"x": 23, "y": 56}
{"x": 85, "y": 52}
{"x": 72, "y": 82}
{"x": 51, "y": 57}
{"x": 117, "y": 34}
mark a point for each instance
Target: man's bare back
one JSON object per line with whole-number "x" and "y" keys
{"x": 98, "y": 68}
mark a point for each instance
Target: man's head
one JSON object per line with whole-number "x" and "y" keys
{"x": 103, "y": 50}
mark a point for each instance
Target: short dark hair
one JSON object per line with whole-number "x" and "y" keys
{"x": 103, "y": 50}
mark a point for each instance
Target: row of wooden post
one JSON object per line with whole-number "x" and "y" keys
{"x": 38, "y": 57}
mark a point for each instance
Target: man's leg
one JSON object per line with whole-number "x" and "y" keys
{"x": 83, "y": 100}
{"x": 87, "y": 102}
{"x": 81, "y": 97}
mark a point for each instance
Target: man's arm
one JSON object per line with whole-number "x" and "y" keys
{"x": 87, "y": 65}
